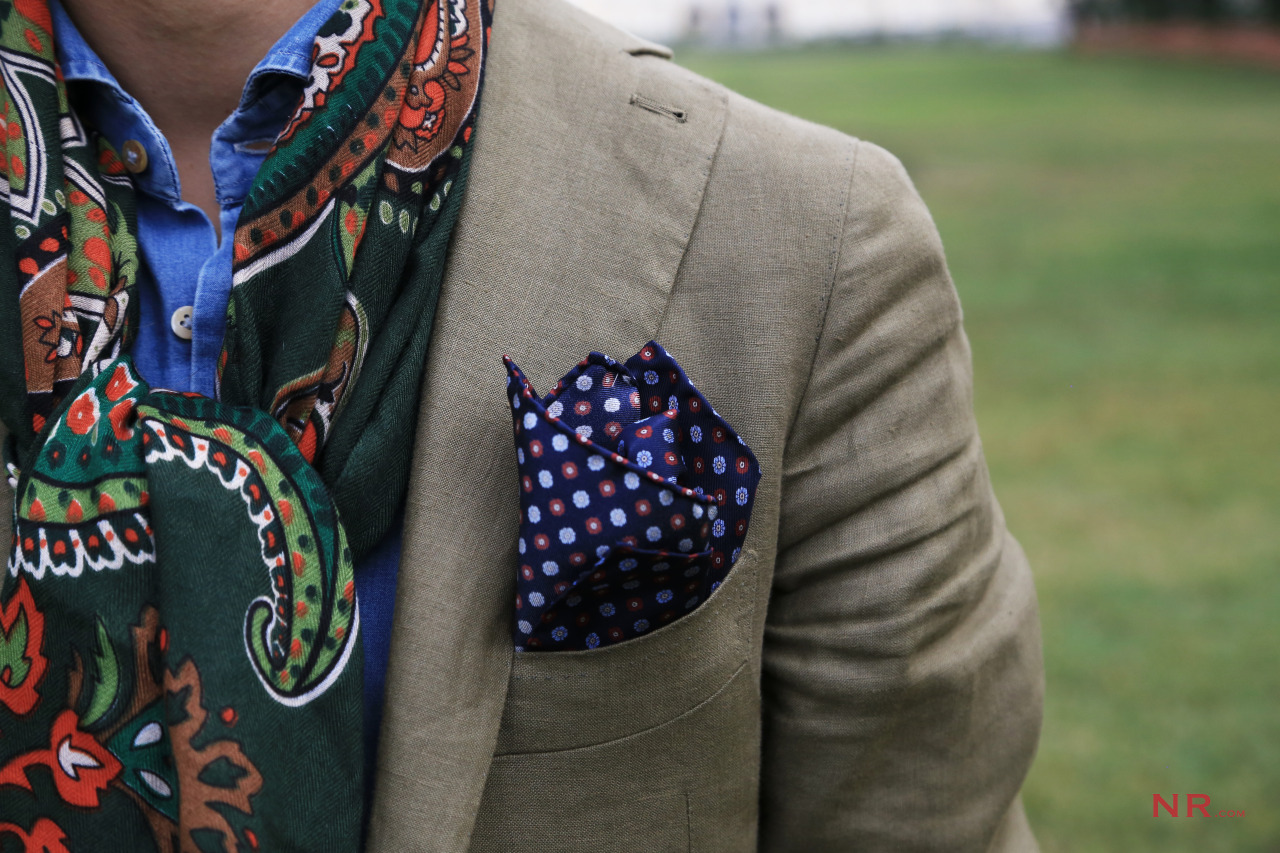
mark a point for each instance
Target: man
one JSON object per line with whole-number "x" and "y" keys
{"x": 868, "y": 676}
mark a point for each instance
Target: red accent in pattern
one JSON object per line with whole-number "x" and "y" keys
{"x": 83, "y": 414}
{"x": 20, "y": 699}
{"x": 45, "y": 836}
{"x": 121, "y": 383}
{"x": 81, "y": 767}
{"x": 307, "y": 443}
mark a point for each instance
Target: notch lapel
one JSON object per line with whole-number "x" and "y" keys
{"x": 582, "y": 197}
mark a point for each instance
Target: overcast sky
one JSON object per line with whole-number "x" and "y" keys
{"x": 666, "y": 19}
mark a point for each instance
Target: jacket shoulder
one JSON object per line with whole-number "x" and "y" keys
{"x": 603, "y": 60}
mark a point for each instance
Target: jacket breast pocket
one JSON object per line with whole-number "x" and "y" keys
{"x": 569, "y": 700}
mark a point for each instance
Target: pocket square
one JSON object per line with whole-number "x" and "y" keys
{"x": 635, "y": 496}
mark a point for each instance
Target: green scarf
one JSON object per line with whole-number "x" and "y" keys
{"x": 180, "y": 664}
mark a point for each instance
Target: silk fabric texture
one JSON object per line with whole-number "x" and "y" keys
{"x": 179, "y": 639}
{"x": 635, "y": 496}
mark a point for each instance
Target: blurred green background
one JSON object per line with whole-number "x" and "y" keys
{"x": 1113, "y": 228}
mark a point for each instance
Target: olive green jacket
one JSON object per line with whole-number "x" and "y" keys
{"x": 869, "y": 676}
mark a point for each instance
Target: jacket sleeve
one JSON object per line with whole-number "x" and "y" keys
{"x": 902, "y": 675}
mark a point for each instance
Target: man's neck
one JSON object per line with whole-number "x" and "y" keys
{"x": 186, "y": 63}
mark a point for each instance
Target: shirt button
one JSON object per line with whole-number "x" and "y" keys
{"x": 180, "y": 322}
{"x": 134, "y": 156}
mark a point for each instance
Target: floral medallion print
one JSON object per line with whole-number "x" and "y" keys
{"x": 180, "y": 644}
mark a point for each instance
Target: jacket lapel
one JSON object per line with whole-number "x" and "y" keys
{"x": 587, "y": 177}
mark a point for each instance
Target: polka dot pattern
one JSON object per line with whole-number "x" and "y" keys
{"x": 635, "y": 499}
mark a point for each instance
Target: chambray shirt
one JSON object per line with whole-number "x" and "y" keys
{"x": 183, "y": 265}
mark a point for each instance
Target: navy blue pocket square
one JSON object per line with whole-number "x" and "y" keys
{"x": 635, "y": 497}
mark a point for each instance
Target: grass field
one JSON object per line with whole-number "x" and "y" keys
{"x": 1113, "y": 227}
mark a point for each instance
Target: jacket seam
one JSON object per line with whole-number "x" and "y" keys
{"x": 688, "y": 821}
{"x": 837, "y": 256}
{"x": 705, "y": 176}
{"x": 511, "y": 756}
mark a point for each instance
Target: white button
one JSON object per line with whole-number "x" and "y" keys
{"x": 180, "y": 322}
{"x": 134, "y": 155}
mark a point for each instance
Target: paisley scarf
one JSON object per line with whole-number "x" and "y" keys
{"x": 179, "y": 636}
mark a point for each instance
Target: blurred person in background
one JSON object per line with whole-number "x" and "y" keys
{"x": 251, "y": 204}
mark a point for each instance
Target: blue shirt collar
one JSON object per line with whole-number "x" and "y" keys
{"x": 118, "y": 116}
{"x": 291, "y": 55}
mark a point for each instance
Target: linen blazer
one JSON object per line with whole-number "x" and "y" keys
{"x": 869, "y": 675}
